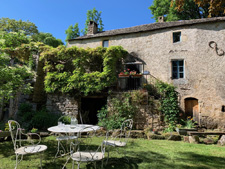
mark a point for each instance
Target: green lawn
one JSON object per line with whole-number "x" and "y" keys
{"x": 141, "y": 154}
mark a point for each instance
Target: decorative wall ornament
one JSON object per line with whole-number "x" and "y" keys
{"x": 213, "y": 45}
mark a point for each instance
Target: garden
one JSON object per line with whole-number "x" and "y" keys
{"x": 30, "y": 71}
{"x": 141, "y": 153}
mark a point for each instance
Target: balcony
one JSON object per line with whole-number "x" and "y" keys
{"x": 129, "y": 82}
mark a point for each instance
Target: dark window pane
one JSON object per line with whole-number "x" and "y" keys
{"x": 105, "y": 43}
{"x": 181, "y": 75}
{"x": 181, "y": 69}
{"x": 176, "y": 37}
{"x": 174, "y": 75}
{"x": 181, "y": 63}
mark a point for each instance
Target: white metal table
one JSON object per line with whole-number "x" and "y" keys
{"x": 69, "y": 134}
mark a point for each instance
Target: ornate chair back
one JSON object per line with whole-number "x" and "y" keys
{"x": 125, "y": 130}
{"x": 16, "y": 133}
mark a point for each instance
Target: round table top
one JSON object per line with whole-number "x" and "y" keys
{"x": 74, "y": 129}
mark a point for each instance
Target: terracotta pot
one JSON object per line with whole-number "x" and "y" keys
{"x": 124, "y": 76}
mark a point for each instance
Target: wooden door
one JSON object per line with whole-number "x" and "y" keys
{"x": 191, "y": 109}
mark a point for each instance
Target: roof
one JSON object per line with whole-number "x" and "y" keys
{"x": 150, "y": 27}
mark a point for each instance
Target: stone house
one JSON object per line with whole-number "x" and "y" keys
{"x": 189, "y": 54}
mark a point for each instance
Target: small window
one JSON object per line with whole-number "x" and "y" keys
{"x": 176, "y": 37}
{"x": 223, "y": 108}
{"x": 105, "y": 43}
{"x": 177, "y": 69}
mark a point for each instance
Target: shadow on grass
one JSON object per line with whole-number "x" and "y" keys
{"x": 201, "y": 161}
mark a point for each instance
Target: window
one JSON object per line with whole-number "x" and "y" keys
{"x": 105, "y": 43}
{"x": 177, "y": 69}
{"x": 223, "y": 108}
{"x": 176, "y": 37}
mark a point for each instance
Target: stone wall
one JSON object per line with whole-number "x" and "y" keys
{"x": 201, "y": 48}
{"x": 62, "y": 104}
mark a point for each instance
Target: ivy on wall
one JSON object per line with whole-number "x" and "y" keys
{"x": 169, "y": 103}
{"x": 71, "y": 70}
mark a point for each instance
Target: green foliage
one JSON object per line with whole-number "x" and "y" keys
{"x": 189, "y": 123}
{"x": 120, "y": 109}
{"x": 13, "y": 39}
{"x": 93, "y": 15}
{"x": 168, "y": 9}
{"x": 44, "y": 119}
{"x": 33, "y": 130}
{"x": 72, "y": 32}
{"x": 169, "y": 103}
{"x": 160, "y": 8}
{"x": 12, "y": 25}
{"x": 13, "y": 79}
{"x": 82, "y": 70}
{"x": 47, "y": 38}
{"x": 41, "y": 120}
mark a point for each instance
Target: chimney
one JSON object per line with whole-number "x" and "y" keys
{"x": 161, "y": 19}
{"x": 92, "y": 28}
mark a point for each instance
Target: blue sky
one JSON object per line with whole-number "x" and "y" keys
{"x": 55, "y": 16}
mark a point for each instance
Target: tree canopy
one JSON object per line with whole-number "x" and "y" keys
{"x": 47, "y": 38}
{"x": 93, "y": 15}
{"x": 12, "y": 25}
{"x": 72, "y": 32}
{"x": 173, "y": 10}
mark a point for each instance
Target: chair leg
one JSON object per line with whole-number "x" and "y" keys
{"x": 41, "y": 160}
{"x": 78, "y": 165}
{"x": 66, "y": 162}
{"x": 16, "y": 161}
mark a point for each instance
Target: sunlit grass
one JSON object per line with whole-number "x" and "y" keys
{"x": 140, "y": 153}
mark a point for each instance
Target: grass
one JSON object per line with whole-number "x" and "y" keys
{"x": 142, "y": 154}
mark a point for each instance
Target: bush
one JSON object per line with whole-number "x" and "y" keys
{"x": 120, "y": 109}
{"x": 44, "y": 119}
{"x": 41, "y": 120}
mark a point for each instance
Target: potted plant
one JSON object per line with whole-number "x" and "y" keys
{"x": 189, "y": 125}
{"x": 125, "y": 73}
{"x": 135, "y": 75}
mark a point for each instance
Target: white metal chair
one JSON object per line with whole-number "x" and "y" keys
{"x": 66, "y": 120}
{"x": 120, "y": 139}
{"x": 20, "y": 149}
{"x": 84, "y": 151}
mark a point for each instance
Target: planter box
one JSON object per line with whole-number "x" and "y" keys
{"x": 124, "y": 76}
{"x": 184, "y": 131}
{"x": 136, "y": 76}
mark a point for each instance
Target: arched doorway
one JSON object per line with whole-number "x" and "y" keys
{"x": 192, "y": 108}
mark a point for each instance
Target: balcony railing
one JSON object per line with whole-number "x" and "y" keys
{"x": 126, "y": 83}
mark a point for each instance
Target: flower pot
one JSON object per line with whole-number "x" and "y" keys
{"x": 136, "y": 76}
{"x": 124, "y": 76}
{"x": 183, "y": 131}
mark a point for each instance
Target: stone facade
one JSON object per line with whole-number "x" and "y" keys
{"x": 62, "y": 104}
{"x": 201, "y": 48}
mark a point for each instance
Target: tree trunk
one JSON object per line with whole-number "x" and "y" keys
{"x": 1, "y": 108}
{"x": 14, "y": 104}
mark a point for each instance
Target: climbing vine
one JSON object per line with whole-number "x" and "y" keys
{"x": 85, "y": 71}
{"x": 169, "y": 103}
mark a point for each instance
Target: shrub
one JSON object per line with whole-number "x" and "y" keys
{"x": 44, "y": 119}
{"x": 41, "y": 120}
{"x": 120, "y": 109}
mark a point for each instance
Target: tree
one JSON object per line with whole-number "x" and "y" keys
{"x": 93, "y": 15}
{"x": 174, "y": 10}
{"x": 13, "y": 75}
{"x": 72, "y": 32}
{"x": 12, "y": 25}
{"x": 214, "y": 8}
{"x": 47, "y": 38}
{"x": 160, "y": 8}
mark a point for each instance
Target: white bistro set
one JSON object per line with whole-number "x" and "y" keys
{"x": 78, "y": 145}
